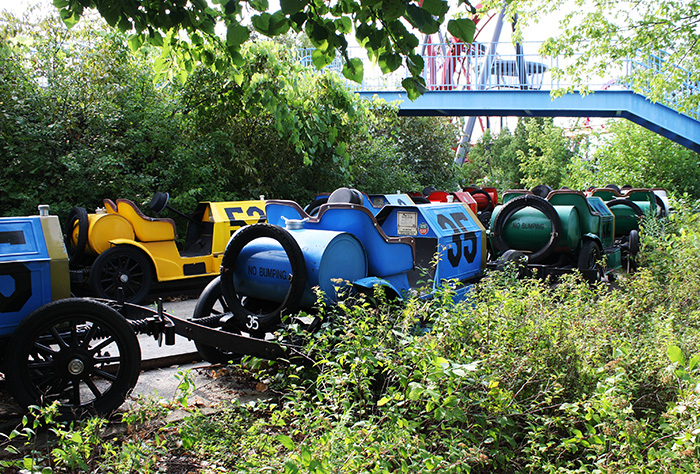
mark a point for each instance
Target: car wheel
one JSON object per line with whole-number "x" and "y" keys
{"x": 589, "y": 261}
{"x": 211, "y": 302}
{"x": 250, "y": 320}
{"x": 79, "y": 352}
{"x": 121, "y": 273}
{"x": 76, "y": 250}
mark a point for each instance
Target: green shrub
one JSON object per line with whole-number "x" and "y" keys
{"x": 526, "y": 377}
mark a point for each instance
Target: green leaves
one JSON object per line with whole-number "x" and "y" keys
{"x": 436, "y": 7}
{"x": 322, "y": 59}
{"x": 462, "y": 28}
{"x": 286, "y": 441}
{"x": 380, "y": 26}
{"x": 259, "y": 5}
{"x": 392, "y": 9}
{"x": 389, "y": 62}
{"x": 135, "y": 42}
{"x": 236, "y": 34}
{"x": 675, "y": 354}
{"x": 422, "y": 19}
{"x": 415, "y": 87}
{"x": 271, "y": 25}
{"x": 290, "y": 7}
{"x": 353, "y": 69}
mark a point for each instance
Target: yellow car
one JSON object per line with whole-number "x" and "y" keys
{"x": 120, "y": 252}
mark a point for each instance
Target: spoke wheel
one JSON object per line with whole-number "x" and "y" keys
{"x": 121, "y": 273}
{"x": 79, "y": 352}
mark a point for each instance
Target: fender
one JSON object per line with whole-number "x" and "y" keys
{"x": 132, "y": 243}
{"x": 594, "y": 237}
{"x": 367, "y": 284}
{"x": 140, "y": 246}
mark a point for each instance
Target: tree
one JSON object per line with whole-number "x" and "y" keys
{"x": 421, "y": 150}
{"x": 548, "y": 155}
{"x": 632, "y": 155}
{"x": 81, "y": 118}
{"x": 186, "y": 29}
{"x": 659, "y": 37}
{"x": 535, "y": 153}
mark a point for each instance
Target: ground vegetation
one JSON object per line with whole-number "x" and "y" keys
{"x": 527, "y": 376}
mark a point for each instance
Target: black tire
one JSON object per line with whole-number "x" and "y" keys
{"x": 79, "y": 352}
{"x": 515, "y": 205}
{"x": 121, "y": 273}
{"x": 485, "y": 218}
{"x": 589, "y": 259}
{"x": 346, "y": 195}
{"x": 420, "y": 200}
{"x": 490, "y": 206}
{"x": 259, "y": 322}
{"x": 428, "y": 190}
{"x": 626, "y": 202}
{"x": 159, "y": 202}
{"x": 515, "y": 259}
{"x": 76, "y": 252}
{"x": 211, "y": 302}
{"x": 633, "y": 243}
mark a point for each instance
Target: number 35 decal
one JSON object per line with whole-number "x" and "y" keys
{"x": 464, "y": 240}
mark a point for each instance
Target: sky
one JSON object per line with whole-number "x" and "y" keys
{"x": 15, "y": 6}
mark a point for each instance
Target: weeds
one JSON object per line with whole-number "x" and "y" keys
{"x": 526, "y": 377}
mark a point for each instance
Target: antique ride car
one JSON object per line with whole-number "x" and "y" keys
{"x": 272, "y": 270}
{"x": 119, "y": 252}
{"x": 554, "y": 235}
{"x": 80, "y": 352}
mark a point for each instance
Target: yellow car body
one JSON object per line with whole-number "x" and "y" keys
{"x": 126, "y": 251}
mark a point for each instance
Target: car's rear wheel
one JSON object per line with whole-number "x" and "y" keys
{"x": 589, "y": 261}
{"x": 211, "y": 302}
{"x": 77, "y": 218}
{"x": 121, "y": 273}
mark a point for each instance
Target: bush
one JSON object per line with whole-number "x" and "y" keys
{"x": 527, "y": 377}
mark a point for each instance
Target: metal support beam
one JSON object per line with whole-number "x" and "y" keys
{"x": 518, "y": 103}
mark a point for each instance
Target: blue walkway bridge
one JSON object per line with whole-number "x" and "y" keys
{"x": 479, "y": 80}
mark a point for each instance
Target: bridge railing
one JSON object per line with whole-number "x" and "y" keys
{"x": 460, "y": 66}
{"x": 684, "y": 97}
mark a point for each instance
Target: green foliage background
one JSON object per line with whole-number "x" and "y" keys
{"x": 82, "y": 118}
{"x": 539, "y": 152}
